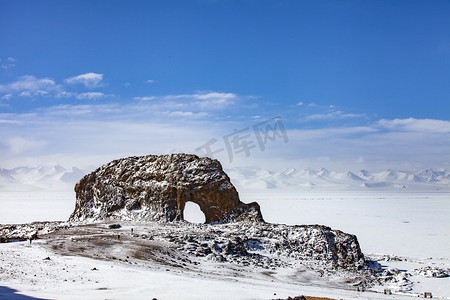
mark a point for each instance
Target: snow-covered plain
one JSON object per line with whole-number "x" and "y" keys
{"x": 27, "y": 271}
{"x": 405, "y": 228}
{"x": 407, "y": 231}
{"x": 26, "y": 207}
{"x": 406, "y": 224}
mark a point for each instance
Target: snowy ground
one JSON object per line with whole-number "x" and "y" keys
{"x": 409, "y": 232}
{"x": 26, "y": 269}
{"x": 406, "y": 224}
{"x": 26, "y": 207}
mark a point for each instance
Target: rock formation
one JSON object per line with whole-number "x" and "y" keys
{"x": 156, "y": 188}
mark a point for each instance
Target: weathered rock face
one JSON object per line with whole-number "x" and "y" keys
{"x": 156, "y": 188}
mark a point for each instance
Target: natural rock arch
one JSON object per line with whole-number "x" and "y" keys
{"x": 157, "y": 188}
{"x": 217, "y": 206}
{"x": 193, "y": 214}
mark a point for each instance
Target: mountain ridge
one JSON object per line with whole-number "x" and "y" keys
{"x": 251, "y": 178}
{"x": 322, "y": 179}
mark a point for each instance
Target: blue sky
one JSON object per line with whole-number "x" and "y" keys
{"x": 357, "y": 84}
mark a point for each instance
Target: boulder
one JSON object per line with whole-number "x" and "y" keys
{"x": 156, "y": 188}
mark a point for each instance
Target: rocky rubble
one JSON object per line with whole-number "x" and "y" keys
{"x": 267, "y": 244}
{"x": 263, "y": 244}
{"x": 21, "y": 232}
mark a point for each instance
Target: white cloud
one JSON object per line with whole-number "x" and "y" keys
{"x": 151, "y": 81}
{"x": 187, "y": 114}
{"x": 89, "y": 80}
{"x": 82, "y": 96}
{"x": 214, "y": 100}
{"x": 7, "y": 96}
{"x": 10, "y": 63}
{"x": 10, "y": 122}
{"x": 7, "y": 66}
{"x": 204, "y": 96}
{"x": 91, "y": 95}
{"x": 25, "y": 94}
{"x": 145, "y": 98}
{"x": 332, "y": 115}
{"x": 417, "y": 125}
{"x": 300, "y": 103}
{"x": 139, "y": 128}
{"x": 18, "y": 145}
{"x": 381, "y": 149}
{"x": 40, "y": 92}
{"x": 98, "y": 110}
{"x": 85, "y": 134}
{"x": 71, "y": 110}
{"x": 65, "y": 94}
{"x": 30, "y": 84}
{"x": 325, "y": 134}
{"x": 214, "y": 95}
{"x": 205, "y": 100}
{"x": 31, "y": 94}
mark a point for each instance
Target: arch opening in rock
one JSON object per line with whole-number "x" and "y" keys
{"x": 193, "y": 214}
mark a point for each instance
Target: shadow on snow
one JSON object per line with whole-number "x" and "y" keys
{"x": 9, "y": 293}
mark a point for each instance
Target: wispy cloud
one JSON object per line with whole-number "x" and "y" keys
{"x": 10, "y": 122}
{"x": 30, "y": 84}
{"x": 19, "y": 145}
{"x": 91, "y": 95}
{"x": 7, "y": 96}
{"x": 398, "y": 143}
{"x": 214, "y": 96}
{"x": 79, "y": 110}
{"x": 89, "y": 80}
{"x": 187, "y": 120}
{"x": 187, "y": 114}
{"x": 148, "y": 98}
{"x": 333, "y": 115}
{"x": 417, "y": 125}
{"x": 65, "y": 94}
{"x": 72, "y": 131}
{"x": 203, "y": 96}
{"x": 69, "y": 134}
{"x": 32, "y": 94}
{"x": 197, "y": 101}
{"x": 10, "y": 63}
{"x": 206, "y": 100}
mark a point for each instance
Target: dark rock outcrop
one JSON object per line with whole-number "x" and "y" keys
{"x": 156, "y": 188}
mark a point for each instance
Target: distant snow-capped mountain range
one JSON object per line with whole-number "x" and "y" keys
{"x": 323, "y": 179}
{"x": 39, "y": 178}
{"x": 251, "y": 179}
